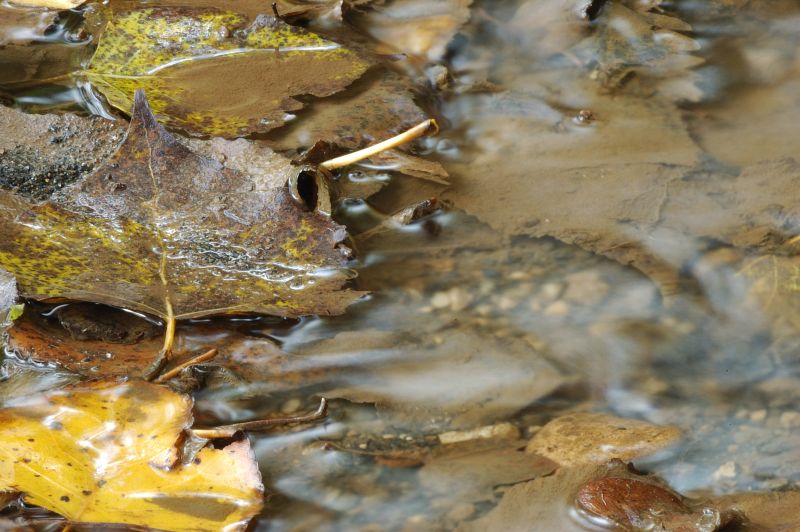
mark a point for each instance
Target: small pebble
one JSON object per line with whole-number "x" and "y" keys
{"x": 726, "y": 470}
{"x": 292, "y": 405}
{"x": 500, "y": 431}
{"x": 557, "y": 309}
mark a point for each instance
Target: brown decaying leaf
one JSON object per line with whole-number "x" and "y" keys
{"x": 161, "y": 230}
{"x": 42, "y": 342}
{"x": 41, "y": 154}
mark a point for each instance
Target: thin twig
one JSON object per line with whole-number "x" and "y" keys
{"x": 174, "y": 372}
{"x": 421, "y": 129}
{"x": 228, "y": 431}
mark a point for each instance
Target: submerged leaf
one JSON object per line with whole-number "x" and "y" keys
{"x": 209, "y": 73}
{"x": 107, "y": 453}
{"x": 162, "y": 230}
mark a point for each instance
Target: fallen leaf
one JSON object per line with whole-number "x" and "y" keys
{"x": 106, "y": 453}
{"x": 420, "y": 28}
{"x": 37, "y": 340}
{"x": 50, "y": 4}
{"x": 186, "y": 58}
{"x": 159, "y": 229}
{"x": 589, "y": 438}
{"x": 41, "y": 154}
{"x": 306, "y": 9}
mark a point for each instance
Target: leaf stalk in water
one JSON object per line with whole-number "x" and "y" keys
{"x": 174, "y": 372}
{"x": 228, "y": 431}
{"x": 423, "y": 128}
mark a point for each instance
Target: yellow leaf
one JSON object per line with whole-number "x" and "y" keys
{"x": 107, "y": 453}
{"x": 208, "y": 72}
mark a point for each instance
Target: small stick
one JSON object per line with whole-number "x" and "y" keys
{"x": 227, "y": 431}
{"x": 174, "y": 372}
{"x": 421, "y": 129}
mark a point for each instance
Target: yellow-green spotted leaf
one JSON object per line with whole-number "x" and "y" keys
{"x": 160, "y": 229}
{"x": 106, "y": 453}
{"x": 213, "y": 73}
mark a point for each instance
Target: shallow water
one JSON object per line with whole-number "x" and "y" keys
{"x": 620, "y": 240}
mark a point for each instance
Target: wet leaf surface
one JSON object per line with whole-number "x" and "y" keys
{"x": 185, "y": 58}
{"x": 42, "y": 341}
{"x": 41, "y": 154}
{"x": 153, "y": 227}
{"x": 106, "y": 453}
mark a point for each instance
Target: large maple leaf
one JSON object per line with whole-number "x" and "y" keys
{"x": 159, "y": 229}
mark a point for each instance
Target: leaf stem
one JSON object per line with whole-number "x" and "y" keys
{"x": 424, "y": 128}
{"x": 228, "y": 431}
{"x": 174, "y": 372}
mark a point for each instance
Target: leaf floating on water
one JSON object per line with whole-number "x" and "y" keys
{"x": 159, "y": 229}
{"x": 200, "y": 67}
{"x": 107, "y": 453}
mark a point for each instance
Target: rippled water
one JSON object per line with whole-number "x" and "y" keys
{"x": 599, "y": 254}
